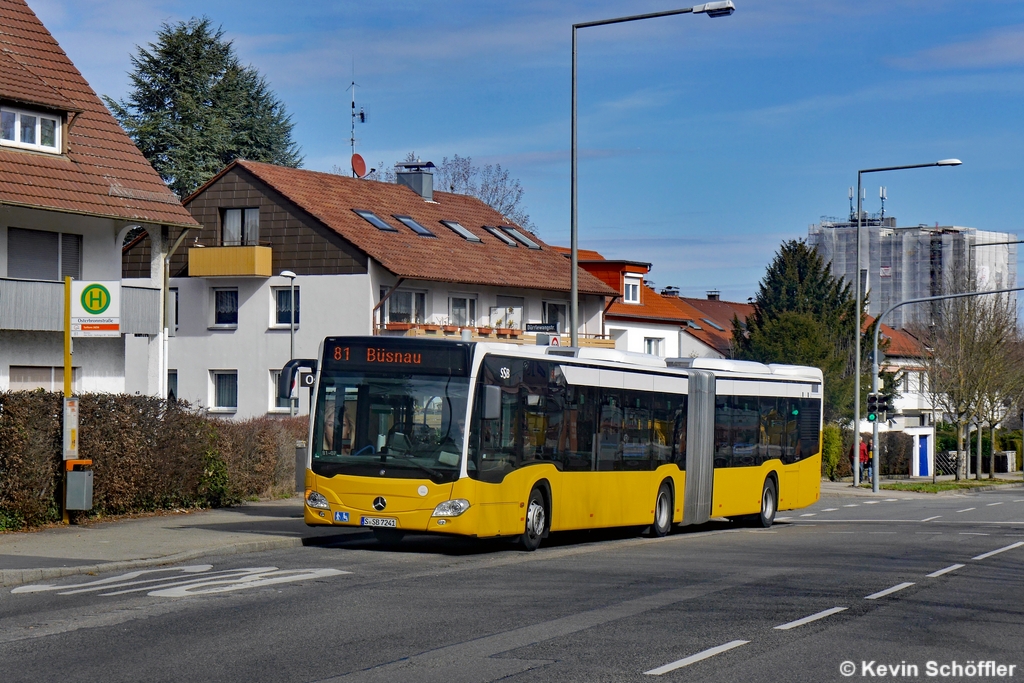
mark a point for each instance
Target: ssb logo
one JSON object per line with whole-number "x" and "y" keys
{"x": 95, "y": 299}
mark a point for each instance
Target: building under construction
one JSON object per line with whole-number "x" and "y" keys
{"x": 910, "y": 263}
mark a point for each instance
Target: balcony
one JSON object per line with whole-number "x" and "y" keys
{"x": 493, "y": 334}
{"x": 241, "y": 261}
{"x": 38, "y": 306}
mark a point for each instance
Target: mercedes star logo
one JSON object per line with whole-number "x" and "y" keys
{"x": 379, "y": 503}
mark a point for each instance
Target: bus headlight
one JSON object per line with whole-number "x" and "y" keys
{"x": 316, "y": 500}
{"x": 451, "y": 508}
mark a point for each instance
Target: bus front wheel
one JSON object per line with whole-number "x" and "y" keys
{"x": 536, "y": 520}
{"x": 662, "y": 512}
{"x": 769, "y": 504}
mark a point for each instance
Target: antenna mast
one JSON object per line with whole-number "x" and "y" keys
{"x": 881, "y": 195}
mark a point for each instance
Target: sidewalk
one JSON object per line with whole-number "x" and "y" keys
{"x": 100, "y": 546}
{"x": 845, "y": 489}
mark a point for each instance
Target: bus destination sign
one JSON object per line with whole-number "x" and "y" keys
{"x": 437, "y": 358}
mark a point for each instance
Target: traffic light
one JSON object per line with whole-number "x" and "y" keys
{"x": 874, "y": 404}
{"x": 888, "y": 405}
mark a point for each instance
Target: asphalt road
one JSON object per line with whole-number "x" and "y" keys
{"x": 844, "y": 581}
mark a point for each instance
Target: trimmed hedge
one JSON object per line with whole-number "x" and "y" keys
{"x": 148, "y": 454}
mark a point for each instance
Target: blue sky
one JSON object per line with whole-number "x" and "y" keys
{"x": 704, "y": 143}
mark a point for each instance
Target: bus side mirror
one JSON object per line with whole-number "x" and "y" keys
{"x": 492, "y": 402}
{"x": 288, "y": 373}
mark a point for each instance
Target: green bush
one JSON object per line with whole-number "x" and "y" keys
{"x": 147, "y": 454}
{"x": 831, "y": 451}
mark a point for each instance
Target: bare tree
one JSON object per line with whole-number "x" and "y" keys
{"x": 969, "y": 366}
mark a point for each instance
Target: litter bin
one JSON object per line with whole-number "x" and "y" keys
{"x": 79, "y": 495}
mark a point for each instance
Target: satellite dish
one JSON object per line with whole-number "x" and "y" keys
{"x": 358, "y": 166}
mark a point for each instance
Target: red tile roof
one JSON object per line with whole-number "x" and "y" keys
{"x": 103, "y": 173}
{"x": 332, "y": 198}
{"x": 902, "y": 344}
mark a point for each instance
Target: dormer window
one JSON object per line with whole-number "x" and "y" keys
{"x": 29, "y": 130}
{"x": 631, "y": 290}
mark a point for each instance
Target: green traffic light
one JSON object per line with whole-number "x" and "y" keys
{"x": 872, "y": 417}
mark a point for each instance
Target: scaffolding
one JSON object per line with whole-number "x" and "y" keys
{"x": 916, "y": 262}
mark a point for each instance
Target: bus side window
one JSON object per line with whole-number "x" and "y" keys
{"x": 609, "y": 451}
{"x": 581, "y": 404}
{"x": 723, "y": 431}
{"x": 679, "y": 440}
{"x": 745, "y": 422}
{"x": 662, "y": 428}
{"x": 771, "y": 429}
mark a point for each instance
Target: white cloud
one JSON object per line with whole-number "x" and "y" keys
{"x": 1002, "y": 47}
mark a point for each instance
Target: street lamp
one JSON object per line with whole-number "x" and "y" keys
{"x": 712, "y": 9}
{"x": 291, "y": 325}
{"x": 856, "y": 331}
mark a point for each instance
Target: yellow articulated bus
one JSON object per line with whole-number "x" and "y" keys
{"x": 498, "y": 440}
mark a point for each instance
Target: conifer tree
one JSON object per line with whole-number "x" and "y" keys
{"x": 193, "y": 107}
{"x": 803, "y": 315}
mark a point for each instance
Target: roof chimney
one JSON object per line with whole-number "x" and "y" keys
{"x": 714, "y": 295}
{"x": 671, "y": 290}
{"x": 418, "y": 176}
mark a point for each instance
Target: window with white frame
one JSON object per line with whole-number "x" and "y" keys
{"x": 240, "y": 227}
{"x": 462, "y": 310}
{"x": 43, "y": 255}
{"x": 631, "y": 290}
{"x": 556, "y": 312}
{"x": 283, "y": 306}
{"x": 225, "y": 390}
{"x": 225, "y": 307}
{"x": 404, "y": 306}
{"x": 172, "y": 385}
{"x": 30, "y": 130}
{"x": 277, "y": 403}
{"x": 47, "y": 378}
{"x": 653, "y": 345}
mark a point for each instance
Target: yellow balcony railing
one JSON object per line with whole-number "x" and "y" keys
{"x": 251, "y": 261}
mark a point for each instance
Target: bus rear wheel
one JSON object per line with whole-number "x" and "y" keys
{"x": 769, "y": 504}
{"x": 662, "y": 512}
{"x": 536, "y": 520}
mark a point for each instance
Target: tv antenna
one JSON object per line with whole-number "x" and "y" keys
{"x": 357, "y": 116}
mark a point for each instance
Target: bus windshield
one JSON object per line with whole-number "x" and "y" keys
{"x": 390, "y": 425}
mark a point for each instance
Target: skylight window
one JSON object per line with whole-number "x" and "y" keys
{"x": 521, "y": 237}
{"x": 501, "y": 236}
{"x": 30, "y": 130}
{"x": 720, "y": 329}
{"x": 461, "y": 231}
{"x": 408, "y": 222}
{"x": 374, "y": 220}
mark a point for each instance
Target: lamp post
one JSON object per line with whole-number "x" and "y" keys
{"x": 712, "y": 9}
{"x": 291, "y": 325}
{"x": 856, "y": 332}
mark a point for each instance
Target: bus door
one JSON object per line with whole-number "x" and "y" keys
{"x": 700, "y": 447}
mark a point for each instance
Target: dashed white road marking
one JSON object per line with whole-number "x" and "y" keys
{"x": 830, "y": 509}
{"x": 1019, "y": 500}
{"x": 999, "y": 550}
{"x": 950, "y": 568}
{"x": 872, "y": 502}
{"x": 692, "y": 659}
{"x": 783, "y": 519}
{"x": 809, "y": 514}
{"x": 967, "y": 509}
{"x": 881, "y": 532}
{"x": 852, "y": 505}
{"x": 972, "y": 533}
{"x": 813, "y": 617}
{"x": 889, "y": 591}
{"x": 991, "y": 504}
{"x": 891, "y": 500}
{"x": 192, "y": 580}
{"x": 931, "y": 518}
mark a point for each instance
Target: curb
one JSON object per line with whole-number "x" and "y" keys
{"x": 15, "y": 577}
{"x": 850, "y": 492}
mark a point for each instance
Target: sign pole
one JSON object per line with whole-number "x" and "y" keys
{"x": 67, "y": 387}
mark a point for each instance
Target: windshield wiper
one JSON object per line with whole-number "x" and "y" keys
{"x": 434, "y": 474}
